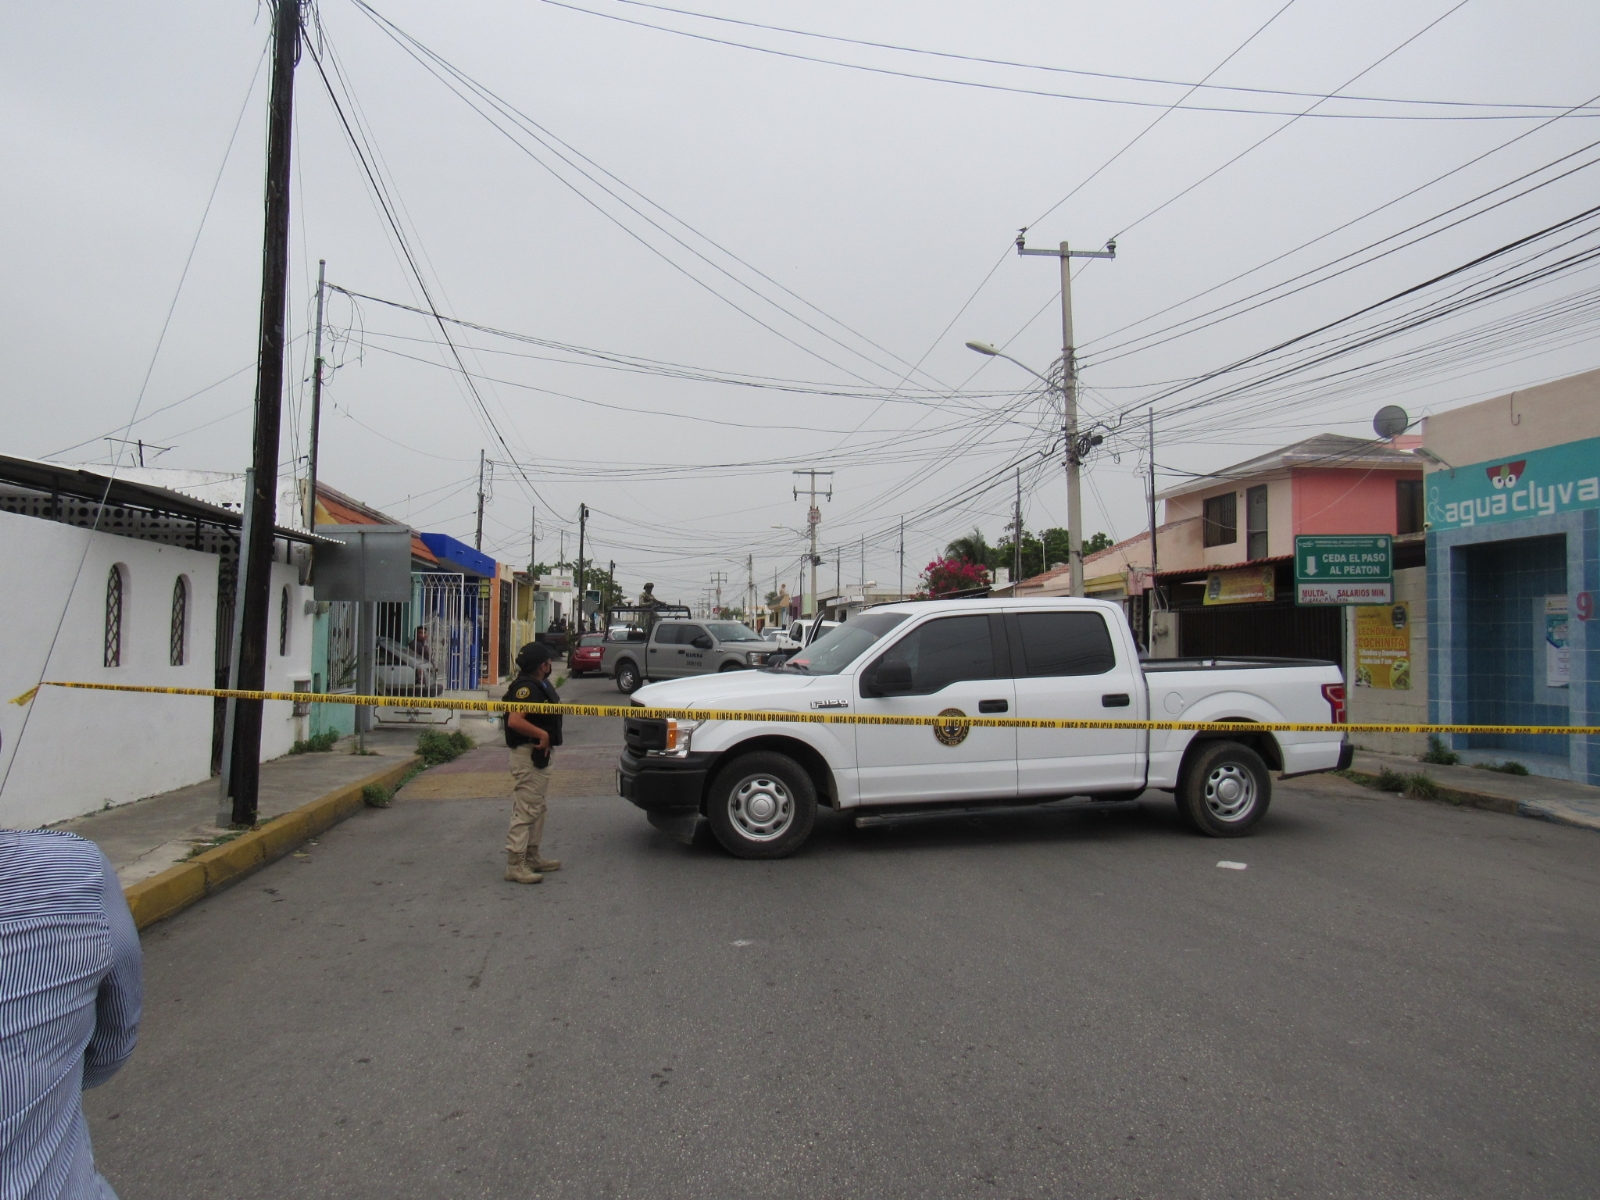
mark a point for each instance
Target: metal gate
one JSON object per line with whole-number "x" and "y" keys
{"x": 433, "y": 643}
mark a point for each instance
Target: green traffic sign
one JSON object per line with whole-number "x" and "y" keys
{"x": 1365, "y": 558}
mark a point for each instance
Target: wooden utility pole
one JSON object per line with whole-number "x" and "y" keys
{"x": 477, "y": 539}
{"x": 256, "y": 610}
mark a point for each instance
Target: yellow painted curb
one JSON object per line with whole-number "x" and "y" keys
{"x": 185, "y": 883}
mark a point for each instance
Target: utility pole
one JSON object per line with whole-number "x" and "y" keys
{"x": 902, "y": 558}
{"x": 1075, "y": 447}
{"x": 477, "y": 540}
{"x": 718, "y": 578}
{"x": 533, "y": 540}
{"x": 838, "y": 572}
{"x": 750, "y": 591}
{"x": 1151, "y": 595}
{"x": 813, "y": 520}
{"x": 1016, "y": 538}
{"x": 316, "y": 403}
{"x": 583, "y": 523}
{"x": 256, "y": 609}
{"x": 863, "y": 566}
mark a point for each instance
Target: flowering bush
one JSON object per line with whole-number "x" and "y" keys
{"x": 944, "y": 576}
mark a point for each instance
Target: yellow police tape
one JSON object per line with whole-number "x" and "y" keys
{"x": 797, "y": 718}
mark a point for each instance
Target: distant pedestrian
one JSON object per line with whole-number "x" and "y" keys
{"x": 71, "y": 987}
{"x": 532, "y": 738}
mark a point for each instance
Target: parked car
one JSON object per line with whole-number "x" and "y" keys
{"x": 793, "y": 637}
{"x": 759, "y": 784}
{"x": 588, "y": 656}
{"x": 400, "y": 671}
{"x": 677, "y": 647}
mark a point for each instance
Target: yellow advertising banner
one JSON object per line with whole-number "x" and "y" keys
{"x": 1246, "y": 585}
{"x": 1383, "y": 646}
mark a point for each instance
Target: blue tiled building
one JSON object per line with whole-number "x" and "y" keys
{"x": 1513, "y": 508}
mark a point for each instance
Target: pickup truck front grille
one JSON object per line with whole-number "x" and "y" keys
{"x": 641, "y": 734}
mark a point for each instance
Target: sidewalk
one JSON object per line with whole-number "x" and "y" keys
{"x": 146, "y": 837}
{"x": 1526, "y": 795}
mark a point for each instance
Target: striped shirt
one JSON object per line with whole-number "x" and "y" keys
{"x": 70, "y": 994}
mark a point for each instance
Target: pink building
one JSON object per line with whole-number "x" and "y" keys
{"x": 1225, "y": 555}
{"x": 1252, "y": 512}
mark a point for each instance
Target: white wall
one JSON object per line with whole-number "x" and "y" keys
{"x": 280, "y": 729}
{"x": 81, "y": 750}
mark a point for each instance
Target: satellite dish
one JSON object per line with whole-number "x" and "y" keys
{"x": 1391, "y": 421}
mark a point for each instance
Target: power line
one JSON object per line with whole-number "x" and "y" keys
{"x": 1028, "y": 91}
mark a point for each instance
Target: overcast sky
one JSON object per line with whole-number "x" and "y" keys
{"x": 878, "y": 209}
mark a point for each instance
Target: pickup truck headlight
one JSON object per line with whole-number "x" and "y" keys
{"x": 679, "y": 735}
{"x": 757, "y": 658}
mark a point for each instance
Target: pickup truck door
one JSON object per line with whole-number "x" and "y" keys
{"x": 954, "y": 665}
{"x": 662, "y": 659}
{"x": 1068, "y": 666}
{"x": 691, "y": 659}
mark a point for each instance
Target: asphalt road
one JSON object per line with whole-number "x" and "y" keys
{"x": 1394, "y": 999}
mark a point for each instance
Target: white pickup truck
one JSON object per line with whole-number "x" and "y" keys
{"x": 759, "y": 784}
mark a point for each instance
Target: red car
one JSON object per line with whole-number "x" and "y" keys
{"x": 590, "y": 650}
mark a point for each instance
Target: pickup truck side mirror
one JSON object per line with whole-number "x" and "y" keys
{"x": 887, "y": 677}
{"x": 703, "y": 642}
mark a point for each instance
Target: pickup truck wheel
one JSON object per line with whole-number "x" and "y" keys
{"x": 1225, "y": 790}
{"x": 628, "y": 680}
{"x": 762, "y": 805}
{"x": 730, "y": 666}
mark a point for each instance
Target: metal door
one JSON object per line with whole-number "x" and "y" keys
{"x": 691, "y": 659}
{"x": 954, "y": 670}
{"x": 662, "y": 652}
{"x": 1067, "y": 667}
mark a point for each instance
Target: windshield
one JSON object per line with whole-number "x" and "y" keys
{"x": 733, "y": 631}
{"x": 592, "y": 639}
{"x": 840, "y": 646}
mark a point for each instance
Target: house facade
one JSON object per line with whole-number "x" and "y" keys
{"x": 114, "y": 581}
{"x": 1225, "y": 551}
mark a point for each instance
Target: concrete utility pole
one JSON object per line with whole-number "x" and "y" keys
{"x": 750, "y": 589}
{"x": 902, "y": 595}
{"x": 1016, "y": 538}
{"x": 533, "y": 540}
{"x": 477, "y": 541}
{"x": 316, "y": 403}
{"x": 256, "y": 609}
{"x": 583, "y": 523}
{"x": 1076, "y": 450}
{"x": 1150, "y": 595}
{"x": 718, "y": 578}
{"x": 813, "y": 520}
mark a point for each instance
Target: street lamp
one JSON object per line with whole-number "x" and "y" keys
{"x": 1078, "y": 446}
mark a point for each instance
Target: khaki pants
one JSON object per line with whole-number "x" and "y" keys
{"x": 527, "y": 801}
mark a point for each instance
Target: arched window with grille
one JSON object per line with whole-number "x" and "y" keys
{"x": 114, "y": 597}
{"x": 180, "y": 621}
{"x": 283, "y": 622}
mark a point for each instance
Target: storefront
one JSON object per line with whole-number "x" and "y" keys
{"x": 1512, "y": 584}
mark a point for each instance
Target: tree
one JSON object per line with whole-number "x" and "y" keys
{"x": 971, "y": 548}
{"x": 945, "y": 576}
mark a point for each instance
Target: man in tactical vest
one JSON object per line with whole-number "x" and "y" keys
{"x": 532, "y": 737}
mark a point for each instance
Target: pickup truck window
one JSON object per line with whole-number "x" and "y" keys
{"x": 1065, "y": 643}
{"x": 688, "y": 633}
{"x": 667, "y": 635}
{"x": 836, "y": 649}
{"x": 733, "y": 631}
{"x": 945, "y": 651}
